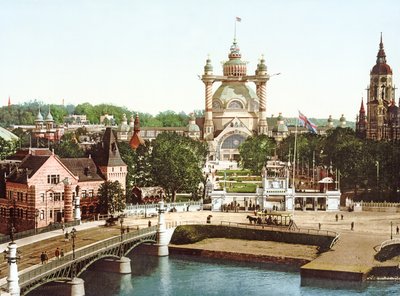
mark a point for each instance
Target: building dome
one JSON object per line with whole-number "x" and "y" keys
{"x": 235, "y": 95}
{"x": 330, "y": 121}
{"x": 235, "y": 66}
{"x": 280, "y": 126}
{"x": 192, "y": 126}
{"x": 208, "y": 68}
{"x": 49, "y": 117}
{"x": 124, "y": 126}
{"x": 381, "y": 69}
{"x": 342, "y": 121}
{"x": 39, "y": 116}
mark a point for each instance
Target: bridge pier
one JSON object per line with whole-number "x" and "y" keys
{"x": 121, "y": 265}
{"x": 77, "y": 287}
{"x": 162, "y": 236}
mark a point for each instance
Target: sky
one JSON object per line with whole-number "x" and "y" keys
{"x": 147, "y": 55}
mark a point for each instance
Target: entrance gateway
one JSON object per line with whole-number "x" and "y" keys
{"x": 277, "y": 193}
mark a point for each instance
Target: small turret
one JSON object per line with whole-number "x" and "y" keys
{"x": 261, "y": 67}
{"x": 208, "y": 68}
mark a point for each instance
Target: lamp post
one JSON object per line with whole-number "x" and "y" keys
{"x": 36, "y": 220}
{"x": 122, "y": 227}
{"x": 391, "y": 229}
{"x": 73, "y": 236}
{"x": 121, "y": 248}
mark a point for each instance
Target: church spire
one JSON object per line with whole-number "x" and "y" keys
{"x": 381, "y": 57}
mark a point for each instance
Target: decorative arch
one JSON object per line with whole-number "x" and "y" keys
{"x": 216, "y": 105}
{"x": 233, "y": 141}
{"x": 235, "y": 104}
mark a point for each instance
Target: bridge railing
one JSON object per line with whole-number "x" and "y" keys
{"x": 31, "y": 273}
{"x": 255, "y": 226}
{"x": 390, "y": 242}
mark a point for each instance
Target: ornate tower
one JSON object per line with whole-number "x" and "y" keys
{"x": 381, "y": 93}
{"x": 361, "y": 124}
{"x": 208, "y": 78}
{"x": 234, "y": 111}
{"x": 261, "y": 79}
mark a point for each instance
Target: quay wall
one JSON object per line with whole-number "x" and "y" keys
{"x": 189, "y": 234}
{"x": 242, "y": 257}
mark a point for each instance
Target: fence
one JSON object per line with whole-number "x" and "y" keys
{"x": 30, "y": 232}
{"x": 372, "y": 204}
{"x": 152, "y": 209}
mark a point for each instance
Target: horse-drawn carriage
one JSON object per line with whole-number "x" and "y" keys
{"x": 111, "y": 221}
{"x": 277, "y": 219}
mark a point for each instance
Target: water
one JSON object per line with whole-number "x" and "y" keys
{"x": 182, "y": 276}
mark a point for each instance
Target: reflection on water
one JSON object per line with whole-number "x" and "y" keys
{"x": 186, "y": 275}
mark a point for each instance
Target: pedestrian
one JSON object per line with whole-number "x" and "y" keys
{"x": 46, "y": 258}
{"x": 149, "y": 223}
{"x": 62, "y": 253}
{"x": 57, "y": 253}
{"x": 341, "y": 216}
{"x": 337, "y": 217}
{"x": 352, "y": 225}
{"x": 66, "y": 236}
{"x": 43, "y": 257}
{"x": 63, "y": 227}
{"x": 397, "y": 229}
{"x": 319, "y": 226}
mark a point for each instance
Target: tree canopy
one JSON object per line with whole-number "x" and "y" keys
{"x": 255, "y": 151}
{"x": 177, "y": 163}
{"x": 111, "y": 198}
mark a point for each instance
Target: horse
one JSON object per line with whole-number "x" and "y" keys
{"x": 252, "y": 219}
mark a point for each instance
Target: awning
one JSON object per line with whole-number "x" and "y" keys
{"x": 276, "y": 198}
{"x": 326, "y": 180}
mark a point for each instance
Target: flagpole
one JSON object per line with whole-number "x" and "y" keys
{"x": 294, "y": 166}
{"x": 234, "y": 37}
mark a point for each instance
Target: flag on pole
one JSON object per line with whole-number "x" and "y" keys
{"x": 307, "y": 123}
{"x": 238, "y": 19}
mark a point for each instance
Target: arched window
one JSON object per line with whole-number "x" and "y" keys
{"x": 235, "y": 105}
{"x": 216, "y": 105}
{"x": 233, "y": 141}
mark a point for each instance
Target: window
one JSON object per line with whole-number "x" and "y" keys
{"x": 235, "y": 105}
{"x": 50, "y": 196}
{"x": 62, "y": 196}
{"x": 83, "y": 194}
{"x": 51, "y": 214}
{"x": 53, "y": 179}
{"x": 91, "y": 193}
{"x": 57, "y": 196}
{"x": 41, "y": 214}
{"x": 42, "y": 196}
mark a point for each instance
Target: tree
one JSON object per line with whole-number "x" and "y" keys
{"x": 7, "y": 148}
{"x": 177, "y": 163}
{"x": 68, "y": 147}
{"x": 111, "y": 198}
{"x": 255, "y": 151}
{"x": 139, "y": 166}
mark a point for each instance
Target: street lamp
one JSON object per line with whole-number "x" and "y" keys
{"x": 122, "y": 227}
{"x": 121, "y": 248}
{"x": 73, "y": 236}
{"x": 36, "y": 220}
{"x": 391, "y": 229}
